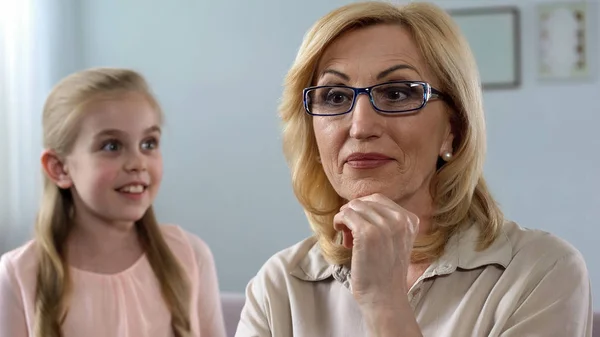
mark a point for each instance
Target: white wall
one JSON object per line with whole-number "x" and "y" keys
{"x": 218, "y": 67}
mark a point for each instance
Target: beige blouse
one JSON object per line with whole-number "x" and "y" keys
{"x": 527, "y": 283}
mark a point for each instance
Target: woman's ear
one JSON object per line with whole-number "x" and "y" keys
{"x": 55, "y": 169}
{"x": 446, "y": 148}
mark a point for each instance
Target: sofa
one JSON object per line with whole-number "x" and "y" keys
{"x": 234, "y": 302}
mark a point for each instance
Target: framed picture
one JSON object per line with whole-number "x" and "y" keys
{"x": 493, "y": 34}
{"x": 564, "y": 40}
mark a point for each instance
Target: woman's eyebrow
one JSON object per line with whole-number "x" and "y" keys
{"x": 336, "y": 73}
{"x": 381, "y": 75}
{"x": 391, "y": 69}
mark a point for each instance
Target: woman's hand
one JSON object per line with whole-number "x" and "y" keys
{"x": 381, "y": 234}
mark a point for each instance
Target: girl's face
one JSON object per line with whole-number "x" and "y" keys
{"x": 115, "y": 167}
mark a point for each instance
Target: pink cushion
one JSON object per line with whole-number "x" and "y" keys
{"x": 232, "y": 307}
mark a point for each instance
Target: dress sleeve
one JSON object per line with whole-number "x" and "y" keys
{"x": 12, "y": 313}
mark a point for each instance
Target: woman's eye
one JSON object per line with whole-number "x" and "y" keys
{"x": 395, "y": 94}
{"x": 336, "y": 97}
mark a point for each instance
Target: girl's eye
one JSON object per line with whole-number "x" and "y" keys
{"x": 111, "y": 146}
{"x": 150, "y": 144}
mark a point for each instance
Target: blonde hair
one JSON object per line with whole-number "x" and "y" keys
{"x": 63, "y": 110}
{"x": 459, "y": 191}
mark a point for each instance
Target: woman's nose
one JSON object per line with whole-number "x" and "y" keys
{"x": 366, "y": 121}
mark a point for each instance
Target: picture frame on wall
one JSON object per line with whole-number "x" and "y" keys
{"x": 565, "y": 44}
{"x": 494, "y": 35}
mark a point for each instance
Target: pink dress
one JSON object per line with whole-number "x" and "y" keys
{"x": 126, "y": 304}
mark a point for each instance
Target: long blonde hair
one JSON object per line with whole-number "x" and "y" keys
{"x": 459, "y": 191}
{"x": 63, "y": 110}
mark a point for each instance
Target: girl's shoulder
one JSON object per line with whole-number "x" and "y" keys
{"x": 186, "y": 245}
{"x": 21, "y": 260}
{"x": 18, "y": 271}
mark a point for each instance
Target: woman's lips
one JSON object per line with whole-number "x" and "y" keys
{"x": 359, "y": 160}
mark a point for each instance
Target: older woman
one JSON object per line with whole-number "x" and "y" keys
{"x": 385, "y": 136}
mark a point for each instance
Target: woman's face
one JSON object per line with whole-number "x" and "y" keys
{"x": 365, "y": 152}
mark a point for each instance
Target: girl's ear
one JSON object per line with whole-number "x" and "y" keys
{"x": 55, "y": 169}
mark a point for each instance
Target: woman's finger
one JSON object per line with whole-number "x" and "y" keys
{"x": 381, "y": 199}
{"x": 347, "y": 239}
{"x": 350, "y": 223}
{"x": 374, "y": 212}
{"x": 383, "y": 210}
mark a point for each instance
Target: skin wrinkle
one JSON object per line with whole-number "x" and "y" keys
{"x": 414, "y": 141}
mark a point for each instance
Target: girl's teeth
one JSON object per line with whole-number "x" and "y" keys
{"x": 133, "y": 189}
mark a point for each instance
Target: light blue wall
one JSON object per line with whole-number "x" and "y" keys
{"x": 218, "y": 66}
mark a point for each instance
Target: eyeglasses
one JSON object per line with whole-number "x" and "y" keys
{"x": 396, "y": 98}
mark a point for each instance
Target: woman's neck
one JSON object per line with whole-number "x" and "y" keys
{"x": 420, "y": 204}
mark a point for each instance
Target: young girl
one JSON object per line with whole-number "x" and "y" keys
{"x": 100, "y": 265}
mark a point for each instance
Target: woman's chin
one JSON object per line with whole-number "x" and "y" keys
{"x": 363, "y": 188}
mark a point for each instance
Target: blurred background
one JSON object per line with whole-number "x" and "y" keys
{"x": 218, "y": 67}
